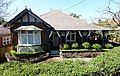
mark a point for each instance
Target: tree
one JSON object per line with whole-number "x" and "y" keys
{"x": 4, "y": 4}
{"x": 115, "y": 15}
{"x": 75, "y": 15}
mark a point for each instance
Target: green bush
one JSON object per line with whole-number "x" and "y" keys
{"x": 86, "y": 45}
{"x": 75, "y": 46}
{"x": 45, "y": 48}
{"x": 108, "y": 46}
{"x": 107, "y": 64}
{"x": 96, "y": 46}
{"x": 65, "y": 46}
{"x": 25, "y": 54}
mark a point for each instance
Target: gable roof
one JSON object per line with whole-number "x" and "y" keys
{"x": 62, "y": 21}
{"x": 4, "y": 30}
{"x": 25, "y": 11}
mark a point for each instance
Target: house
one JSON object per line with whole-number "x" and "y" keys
{"x": 50, "y": 30}
{"x": 5, "y": 36}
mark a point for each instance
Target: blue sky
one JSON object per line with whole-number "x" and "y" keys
{"x": 88, "y": 9}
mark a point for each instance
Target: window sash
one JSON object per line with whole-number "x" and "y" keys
{"x": 6, "y": 40}
{"x": 71, "y": 37}
{"x": 30, "y": 38}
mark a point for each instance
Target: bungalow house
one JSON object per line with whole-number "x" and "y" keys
{"x": 5, "y": 37}
{"x": 51, "y": 29}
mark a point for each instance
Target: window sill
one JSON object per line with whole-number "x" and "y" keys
{"x": 28, "y": 44}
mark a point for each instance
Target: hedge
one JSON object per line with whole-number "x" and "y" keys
{"x": 107, "y": 64}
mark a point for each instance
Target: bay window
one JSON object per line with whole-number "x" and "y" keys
{"x": 29, "y": 37}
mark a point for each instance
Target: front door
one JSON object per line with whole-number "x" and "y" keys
{"x": 56, "y": 41}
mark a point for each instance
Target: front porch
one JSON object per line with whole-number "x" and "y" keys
{"x": 59, "y": 38}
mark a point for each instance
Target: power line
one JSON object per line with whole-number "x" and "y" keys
{"x": 70, "y": 7}
{"x": 74, "y": 5}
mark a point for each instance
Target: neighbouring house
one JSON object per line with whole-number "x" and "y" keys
{"x": 50, "y": 30}
{"x": 5, "y": 36}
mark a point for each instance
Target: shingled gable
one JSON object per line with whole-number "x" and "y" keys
{"x": 25, "y": 11}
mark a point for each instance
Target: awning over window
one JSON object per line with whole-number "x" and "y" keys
{"x": 28, "y": 28}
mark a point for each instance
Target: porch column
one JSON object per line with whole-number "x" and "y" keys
{"x": 88, "y": 35}
{"x": 51, "y": 32}
{"x": 66, "y": 36}
{"x": 81, "y": 36}
{"x": 59, "y": 39}
{"x": 105, "y": 40}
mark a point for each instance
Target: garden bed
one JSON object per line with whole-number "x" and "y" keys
{"x": 30, "y": 56}
{"x": 82, "y": 53}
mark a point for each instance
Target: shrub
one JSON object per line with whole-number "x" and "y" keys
{"x": 107, "y": 64}
{"x": 86, "y": 45}
{"x": 96, "y": 46}
{"x": 65, "y": 46}
{"x": 25, "y": 54}
{"x": 45, "y": 48}
{"x": 108, "y": 46}
{"x": 75, "y": 46}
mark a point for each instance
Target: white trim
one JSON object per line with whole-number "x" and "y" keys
{"x": 80, "y": 33}
{"x": 6, "y": 40}
{"x": 89, "y": 33}
{"x": 58, "y": 34}
{"x": 67, "y": 34}
{"x": 51, "y": 32}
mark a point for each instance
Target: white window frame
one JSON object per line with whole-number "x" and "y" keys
{"x": 6, "y": 40}
{"x": 27, "y": 34}
{"x": 70, "y": 33}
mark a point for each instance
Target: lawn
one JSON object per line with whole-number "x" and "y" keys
{"x": 107, "y": 64}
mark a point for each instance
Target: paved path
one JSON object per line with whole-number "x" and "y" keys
{"x": 61, "y": 59}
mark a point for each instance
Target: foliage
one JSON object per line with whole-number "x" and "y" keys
{"x": 75, "y": 46}
{"x": 4, "y": 5}
{"x": 108, "y": 46}
{"x": 66, "y": 46}
{"x": 107, "y": 64}
{"x": 86, "y": 45}
{"x": 96, "y": 46}
{"x": 45, "y": 48}
{"x": 64, "y": 68}
{"x": 75, "y": 15}
{"x": 25, "y": 54}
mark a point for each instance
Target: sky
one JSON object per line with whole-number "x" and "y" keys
{"x": 89, "y": 9}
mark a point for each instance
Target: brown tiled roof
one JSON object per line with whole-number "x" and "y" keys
{"x": 62, "y": 21}
{"x": 4, "y": 30}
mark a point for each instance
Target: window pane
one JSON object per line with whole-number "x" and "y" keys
{"x": 30, "y": 39}
{"x": 23, "y": 32}
{"x": 23, "y": 39}
{"x": 37, "y": 39}
{"x": 36, "y": 32}
{"x": 30, "y": 32}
